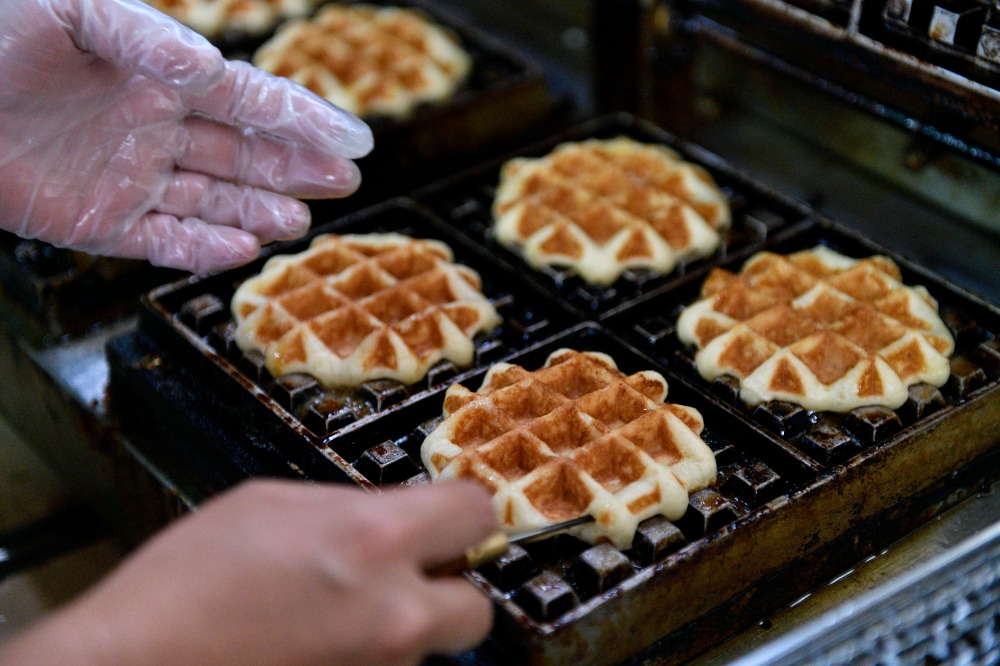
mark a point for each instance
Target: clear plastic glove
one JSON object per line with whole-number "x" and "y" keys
{"x": 284, "y": 573}
{"x": 124, "y": 133}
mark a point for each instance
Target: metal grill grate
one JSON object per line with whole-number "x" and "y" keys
{"x": 193, "y": 316}
{"x": 758, "y": 214}
{"x": 831, "y": 439}
{"x": 947, "y": 611}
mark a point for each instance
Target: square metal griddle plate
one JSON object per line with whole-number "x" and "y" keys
{"x": 799, "y": 496}
{"x": 192, "y": 317}
{"x": 759, "y": 213}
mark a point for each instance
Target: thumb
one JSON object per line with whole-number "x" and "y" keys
{"x": 136, "y": 37}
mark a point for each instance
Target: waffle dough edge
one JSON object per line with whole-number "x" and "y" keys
{"x": 614, "y": 520}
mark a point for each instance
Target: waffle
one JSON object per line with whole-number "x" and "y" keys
{"x": 358, "y": 307}
{"x": 213, "y": 17}
{"x": 368, "y": 60}
{"x": 575, "y": 437}
{"x": 603, "y": 207}
{"x": 819, "y": 329}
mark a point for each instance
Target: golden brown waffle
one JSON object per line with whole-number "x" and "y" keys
{"x": 359, "y": 307}
{"x": 253, "y": 17}
{"x": 368, "y": 60}
{"x": 603, "y": 207}
{"x": 819, "y": 329}
{"x": 575, "y": 437}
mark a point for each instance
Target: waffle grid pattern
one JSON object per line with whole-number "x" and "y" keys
{"x": 213, "y": 17}
{"x": 371, "y": 61}
{"x": 828, "y": 438}
{"x": 602, "y": 207}
{"x": 572, "y": 438}
{"x": 467, "y": 205}
{"x": 361, "y": 307}
{"x": 818, "y": 329}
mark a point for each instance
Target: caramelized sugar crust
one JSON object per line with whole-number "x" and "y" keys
{"x": 368, "y": 60}
{"x": 602, "y": 207}
{"x": 819, "y": 329}
{"x": 213, "y": 17}
{"x": 574, "y": 437}
{"x": 359, "y": 307}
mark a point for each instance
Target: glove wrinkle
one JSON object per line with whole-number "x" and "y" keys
{"x": 124, "y": 133}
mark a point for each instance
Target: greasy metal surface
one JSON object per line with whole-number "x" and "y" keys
{"x": 69, "y": 293}
{"x": 930, "y": 549}
{"x": 778, "y": 512}
{"x": 54, "y": 397}
{"x": 943, "y": 611}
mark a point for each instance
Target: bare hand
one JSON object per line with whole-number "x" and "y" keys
{"x": 284, "y": 572}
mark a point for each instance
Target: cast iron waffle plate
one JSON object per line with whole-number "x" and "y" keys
{"x": 560, "y": 599}
{"x": 68, "y": 293}
{"x": 775, "y": 524}
{"x": 194, "y": 318}
{"x": 758, "y": 213}
{"x": 504, "y": 97}
{"x": 833, "y": 439}
{"x": 789, "y": 510}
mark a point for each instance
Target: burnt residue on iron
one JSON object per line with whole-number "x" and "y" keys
{"x": 796, "y": 491}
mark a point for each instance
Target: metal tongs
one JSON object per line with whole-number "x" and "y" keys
{"x": 497, "y": 544}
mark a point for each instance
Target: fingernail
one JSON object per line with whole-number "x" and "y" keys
{"x": 295, "y": 218}
{"x": 349, "y": 135}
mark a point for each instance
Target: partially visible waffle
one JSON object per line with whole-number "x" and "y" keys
{"x": 213, "y": 17}
{"x": 575, "y": 437}
{"x": 368, "y": 60}
{"x": 358, "y": 307}
{"x": 819, "y": 329}
{"x": 602, "y": 207}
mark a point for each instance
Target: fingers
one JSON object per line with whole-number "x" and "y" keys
{"x": 136, "y": 37}
{"x": 463, "y": 616}
{"x": 250, "y": 96}
{"x": 266, "y": 215}
{"x": 250, "y": 158}
{"x": 190, "y": 244}
{"x": 458, "y": 514}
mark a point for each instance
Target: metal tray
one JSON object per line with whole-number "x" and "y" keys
{"x": 759, "y": 212}
{"x": 834, "y": 439}
{"x": 64, "y": 293}
{"x": 192, "y": 317}
{"x": 789, "y": 510}
{"x": 504, "y": 98}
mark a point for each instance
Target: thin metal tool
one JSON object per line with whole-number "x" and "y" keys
{"x": 497, "y": 544}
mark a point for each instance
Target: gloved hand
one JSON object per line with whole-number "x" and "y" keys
{"x": 124, "y": 133}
